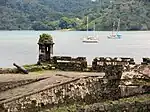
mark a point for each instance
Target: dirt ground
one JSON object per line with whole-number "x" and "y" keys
{"x": 33, "y": 75}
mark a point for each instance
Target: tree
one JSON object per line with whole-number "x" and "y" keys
{"x": 66, "y": 23}
{"x": 40, "y": 26}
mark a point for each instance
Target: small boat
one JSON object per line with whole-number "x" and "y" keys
{"x": 116, "y": 35}
{"x": 90, "y": 39}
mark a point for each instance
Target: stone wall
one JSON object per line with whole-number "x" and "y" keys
{"x": 87, "y": 89}
{"x": 83, "y": 90}
{"x": 68, "y": 63}
{"x": 72, "y": 64}
{"x": 99, "y": 63}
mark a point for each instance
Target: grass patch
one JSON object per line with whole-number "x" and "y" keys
{"x": 115, "y": 104}
{"x": 138, "y": 98}
{"x": 71, "y": 108}
{"x": 37, "y": 68}
{"x": 31, "y": 65}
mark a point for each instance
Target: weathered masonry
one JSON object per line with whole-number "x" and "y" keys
{"x": 99, "y": 63}
{"x": 69, "y": 89}
{"x": 45, "y": 48}
{"x": 85, "y": 89}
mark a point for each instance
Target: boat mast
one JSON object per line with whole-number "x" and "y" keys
{"x": 113, "y": 27}
{"x": 113, "y": 24}
{"x": 94, "y": 30}
{"x": 87, "y": 26}
{"x": 118, "y": 28}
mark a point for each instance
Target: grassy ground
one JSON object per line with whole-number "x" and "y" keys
{"x": 73, "y": 108}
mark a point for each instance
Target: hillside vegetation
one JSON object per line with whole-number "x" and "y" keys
{"x": 71, "y": 14}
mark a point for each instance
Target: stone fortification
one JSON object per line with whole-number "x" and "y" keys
{"x": 87, "y": 89}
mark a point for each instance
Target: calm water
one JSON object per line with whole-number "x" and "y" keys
{"x": 21, "y": 46}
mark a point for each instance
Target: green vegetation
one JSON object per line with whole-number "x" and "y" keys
{"x": 112, "y": 104}
{"x": 138, "y": 98}
{"x": 37, "y": 68}
{"x": 34, "y": 68}
{"x": 71, "y": 14}
{"x": 71, "y": 108}
{"x": 26, "y": 66}
{"x": 45, "y": 38}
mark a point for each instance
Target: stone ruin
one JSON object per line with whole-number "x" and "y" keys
{"x": 45, "y": 48}
{"x": 113, "y": 75}
{"x": 69, "y": 63}
{"x": 146, "y": 61}
{"x": 99, "y": 63}
{"x": 87, "y": 90}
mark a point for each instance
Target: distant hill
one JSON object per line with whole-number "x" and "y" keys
{"x": 35, "y": 14}
{"x": 134, "y": 14}
{"x": 71, "y": 14}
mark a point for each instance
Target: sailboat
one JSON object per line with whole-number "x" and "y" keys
{"x": 116, "y": 35}
{"x": 90, "y": 39}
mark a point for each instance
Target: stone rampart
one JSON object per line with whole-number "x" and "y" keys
{"x": 86, "y": 89}
{"x": 68, "y": 63}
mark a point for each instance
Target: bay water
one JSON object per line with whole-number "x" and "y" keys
{"x": 21, "y": 46}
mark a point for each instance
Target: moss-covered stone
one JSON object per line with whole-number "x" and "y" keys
{"x": 45, "y": 39}
{"x": 36, "y": 68}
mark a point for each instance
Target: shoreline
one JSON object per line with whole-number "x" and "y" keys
{"x": 81, "y": 30}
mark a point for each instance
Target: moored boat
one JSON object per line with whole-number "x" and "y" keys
{"x": 90, "y": 39}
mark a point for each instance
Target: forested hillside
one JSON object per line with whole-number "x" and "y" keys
{"x": 71, "y": 14}
{"x": 134, "y": 14}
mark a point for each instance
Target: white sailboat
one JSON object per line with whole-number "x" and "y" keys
{"x": 90, "y": 39}
{"x": 115, "y": 35}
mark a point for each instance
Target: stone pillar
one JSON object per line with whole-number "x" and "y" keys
{"x": 113, "y": 75}
{"x": 45, "y": 48}
{"x": 2, "y": 109}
